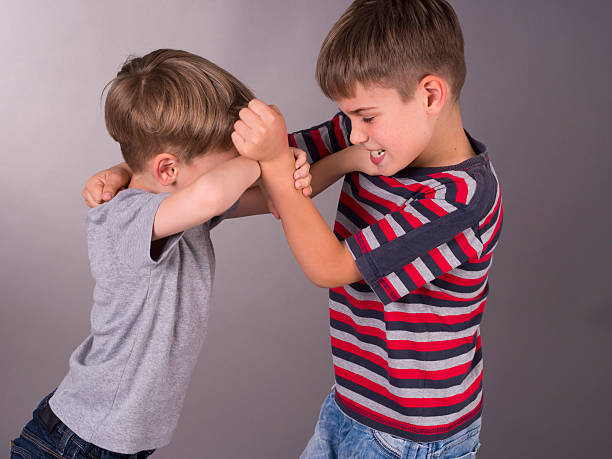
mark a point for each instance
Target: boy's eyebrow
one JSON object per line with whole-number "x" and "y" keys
{"x": 359, "y": 110}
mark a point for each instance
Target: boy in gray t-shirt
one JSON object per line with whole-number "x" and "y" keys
{"x": 152, "y": 259}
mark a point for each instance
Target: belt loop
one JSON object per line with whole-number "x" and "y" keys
{"x": 66, "y": 436}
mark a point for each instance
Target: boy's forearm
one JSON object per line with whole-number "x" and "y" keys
{"x": 210, "y": 195}
{"x": 330, "y": 169}
{"x": 326, "y": 261}
{"x": 226, "y": 183}
{"x": 252, "y": 202}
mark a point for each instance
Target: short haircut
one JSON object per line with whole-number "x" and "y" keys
{"x": 393, "y": 43}
{"x": 174, "y": 101}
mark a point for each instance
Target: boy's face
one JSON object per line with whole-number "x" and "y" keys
{"x": 395, "y": 132}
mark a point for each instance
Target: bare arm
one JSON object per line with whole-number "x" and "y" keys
{"x": 330, "y": 169}
{"x": 326, "y": 261}
{"x": 104, "y": 185}
{"x": 324, "y": 173}
{"x": 210, "y": 195}
{"x": 260, "y": 134}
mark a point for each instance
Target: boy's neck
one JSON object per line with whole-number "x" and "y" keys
{"x": 449, "y": 144}
{"x": 145, "y": 182}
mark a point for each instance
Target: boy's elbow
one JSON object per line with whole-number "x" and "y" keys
{"x": 326, "y": 281}
{"x": 342, "y": 270}
{"x": 320, "y": 283}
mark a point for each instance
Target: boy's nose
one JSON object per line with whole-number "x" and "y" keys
{"x": 357, "y": 136}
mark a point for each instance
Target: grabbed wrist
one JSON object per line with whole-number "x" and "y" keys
{"x": 280, "y": 157}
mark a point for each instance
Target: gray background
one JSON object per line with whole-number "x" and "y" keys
{"x": 537, "y": 93}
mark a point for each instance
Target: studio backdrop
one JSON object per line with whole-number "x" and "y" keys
{"x": 537, "y": 93}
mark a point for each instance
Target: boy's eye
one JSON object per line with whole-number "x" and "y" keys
{"x": 368, "y": 119}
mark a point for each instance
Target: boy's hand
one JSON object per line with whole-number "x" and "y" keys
{"x": 302, "y": 174}
{"x": 260, "y": 133}
{"x": 104, "y": 185}
{"x": 302, "y": 180}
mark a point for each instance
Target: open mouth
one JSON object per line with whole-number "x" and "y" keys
{"x": 377, "y": 156}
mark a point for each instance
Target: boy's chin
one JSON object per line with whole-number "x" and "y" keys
{"x": 390, "y": 170}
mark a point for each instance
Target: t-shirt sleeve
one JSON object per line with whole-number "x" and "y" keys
{"x": 324, "y": 139}
{"x": 121, "y": 230}
{"x": 420, "y": 241}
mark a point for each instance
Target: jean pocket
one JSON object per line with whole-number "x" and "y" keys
{"x": 391, "y": 445}
{"x": 19, "y": 453}
{"x": 470, "y": 455}
{"x": 464, "y": 450}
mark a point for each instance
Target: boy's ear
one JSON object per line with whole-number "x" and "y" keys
{"x": 435, "y": 91}
{"x": 165, "y": 168}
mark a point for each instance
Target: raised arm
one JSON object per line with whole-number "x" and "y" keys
{"x": 104, "y": 185}
{"x": 326, "y": 261}
{"x": 208, "y": 196}
{"x": 318, "y": 143}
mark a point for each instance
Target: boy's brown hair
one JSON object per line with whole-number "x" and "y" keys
{"x": 394, "y": 43}
{"x": 173, "y": 101}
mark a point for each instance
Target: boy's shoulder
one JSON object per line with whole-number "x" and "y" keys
{"x": 471, "y": 184}
{"x": 119, "y": 234}
{"x": 123, "y": 207}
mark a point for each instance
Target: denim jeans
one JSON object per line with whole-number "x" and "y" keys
{"x": 339, "y": 437}
{"x": 36, "y": 443}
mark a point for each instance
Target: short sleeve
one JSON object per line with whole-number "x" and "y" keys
{"x": 422, "y": 240}
{"x": 324, "y": 139}
{"x": 120, "y": 232}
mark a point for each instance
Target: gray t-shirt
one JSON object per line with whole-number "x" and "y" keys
{"x": 127, "y": 381}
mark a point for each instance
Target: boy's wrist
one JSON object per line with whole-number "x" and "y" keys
{"x": 280, "y": 166}
{"x": 280, "y": 157}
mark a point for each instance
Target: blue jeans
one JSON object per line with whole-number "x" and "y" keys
{"x": 36, "y": 442}
{"x": 337, "y": 436}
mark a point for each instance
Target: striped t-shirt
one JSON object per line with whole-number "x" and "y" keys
{"x": 406, "y": 340}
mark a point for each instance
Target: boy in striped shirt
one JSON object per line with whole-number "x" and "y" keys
{"x": 408, "y": 259}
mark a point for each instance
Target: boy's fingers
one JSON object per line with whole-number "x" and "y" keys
{"x": 264, "y": 111}
{"x": 238, "y": 142}
{"x": 110, "y": 188}
{"x": 258, "y": 106}
{"x": 241, "y": 128}
{"x": 249, "y": 117}
{"x": 303, "y": 171}
{"x": 108, "y": 192}
{"x": 93, "y": 189}
{"x": 276, "y": 109}
{"x": 300, "y": 157}
{"x": 303, "y": 183}
{"x": 89, "y": 199}
{"x": 307, "y": 191}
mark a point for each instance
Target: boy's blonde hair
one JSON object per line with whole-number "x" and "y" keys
{"x": 394, "y": 43}
{"x": 173, "y": 101}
